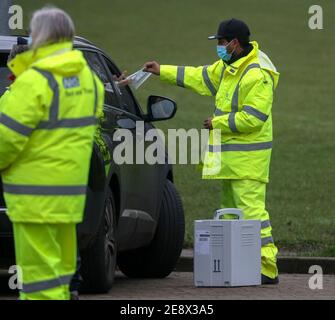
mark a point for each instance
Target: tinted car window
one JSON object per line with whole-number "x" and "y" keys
{"x": 98, "y": 67}
{"x": 4, "y": 73}
{"x": 128, "y": 102}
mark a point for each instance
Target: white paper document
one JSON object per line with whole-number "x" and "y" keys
{"x": 138, "y": 78}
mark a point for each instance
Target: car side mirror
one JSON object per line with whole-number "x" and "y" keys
{"x": 160, "y": 108}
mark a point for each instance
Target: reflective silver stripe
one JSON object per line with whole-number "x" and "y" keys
{"x": 212, "y": 148}
{"x": 180, "y": 76}
{"x": 95, "y": 94}
{"x": 219, "y": 112}
{"x": 265, "y": 224}
{"x": 231, "y": 122}
{"x": 68, "y": 123}
{"x": 15, "y": 126}
{"x": 44, "y": 190}
{"x": 47, "y": 284}
{"x": 54, "y": 107}
{"x": 256, "y": 113}
{"x": 66, "y": 279}
{"x": 208, "y": 82}
{"x": 241, "y": 147}
{"x": 53, "y": 122}
{"x": 266, "y": 241}
{"x": 234, "y": 103}
{"x": 222, "y": 74}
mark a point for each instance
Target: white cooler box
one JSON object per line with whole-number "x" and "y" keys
{"x": 227, "y": 253}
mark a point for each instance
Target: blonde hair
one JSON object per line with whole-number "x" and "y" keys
{"x": 50, "y": 25}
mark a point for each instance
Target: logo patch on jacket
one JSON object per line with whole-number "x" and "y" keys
{"x": 71, "y": 82}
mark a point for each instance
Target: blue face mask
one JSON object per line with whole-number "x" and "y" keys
{"x": 223, "y": 53}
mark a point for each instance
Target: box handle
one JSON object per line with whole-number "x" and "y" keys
{"x": 221, "y": 212}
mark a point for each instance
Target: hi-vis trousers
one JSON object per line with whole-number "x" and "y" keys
{"x": 249, "y": 196}
{"x": 46, "y": 254}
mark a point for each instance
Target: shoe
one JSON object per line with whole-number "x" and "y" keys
{"x": 267, "y": 280}
{"x": 74, "y": 295}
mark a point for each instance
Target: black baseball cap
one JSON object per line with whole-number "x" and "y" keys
{"x": 231, "y": 29}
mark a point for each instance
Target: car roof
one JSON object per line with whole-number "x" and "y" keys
{"x": 7, "y": 42}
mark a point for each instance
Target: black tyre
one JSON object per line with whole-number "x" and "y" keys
{"x": 159, "y": 259}
{"x": 99, "y": 260}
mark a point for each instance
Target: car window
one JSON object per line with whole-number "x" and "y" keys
{"x": 98, "y": 67}
{"x": 4, "y": 82}
{"x": 4, "y": 73}
{"x": 128, "y": 102}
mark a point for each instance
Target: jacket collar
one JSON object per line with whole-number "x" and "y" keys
{"x": 235, "y": 66}
{"x": 25, "y": 60}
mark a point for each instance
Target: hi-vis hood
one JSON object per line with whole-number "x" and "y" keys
{"x": 57, "y": 58}
{"x": 267, "y": 64}
{"x": 264, "y": 61}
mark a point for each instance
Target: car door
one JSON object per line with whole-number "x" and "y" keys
{"x": 96, "y": 190}
{"x": 142, "y": 183}
{"x": 112, "y": 109}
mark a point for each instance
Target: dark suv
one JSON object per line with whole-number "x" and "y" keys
{"x": 133, "y": 216}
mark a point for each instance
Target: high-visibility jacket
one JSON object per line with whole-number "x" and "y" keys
{"x": 243, "y": 90}
{"x": 47, "y": 124}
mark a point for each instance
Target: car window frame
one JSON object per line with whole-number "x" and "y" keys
{"x": 109, "y": 75}
{"x": 106, "y": 107}
{"x": 139, "y": 111}
{"x": 9, "y": 72}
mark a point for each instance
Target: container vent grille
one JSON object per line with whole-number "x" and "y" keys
{"x": 248, "y": 237}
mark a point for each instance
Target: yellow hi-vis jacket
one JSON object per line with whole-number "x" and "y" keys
{"x": 47, "y": 124}
{"x": 243, "y": 94}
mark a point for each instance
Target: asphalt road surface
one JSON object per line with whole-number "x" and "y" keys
{"x": 179, "y": 286}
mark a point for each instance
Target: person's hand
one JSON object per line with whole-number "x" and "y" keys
{"x": 153, "y": 67}
{"x": 121, "y": 80}
{"x": 208, "y": 124}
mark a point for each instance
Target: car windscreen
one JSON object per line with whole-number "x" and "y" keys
{"x": 4, "y": 73}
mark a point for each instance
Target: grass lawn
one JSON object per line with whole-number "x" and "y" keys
{"x": 300, "y": 195}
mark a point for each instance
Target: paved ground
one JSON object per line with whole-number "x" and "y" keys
{"x": 179, "y": 285}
